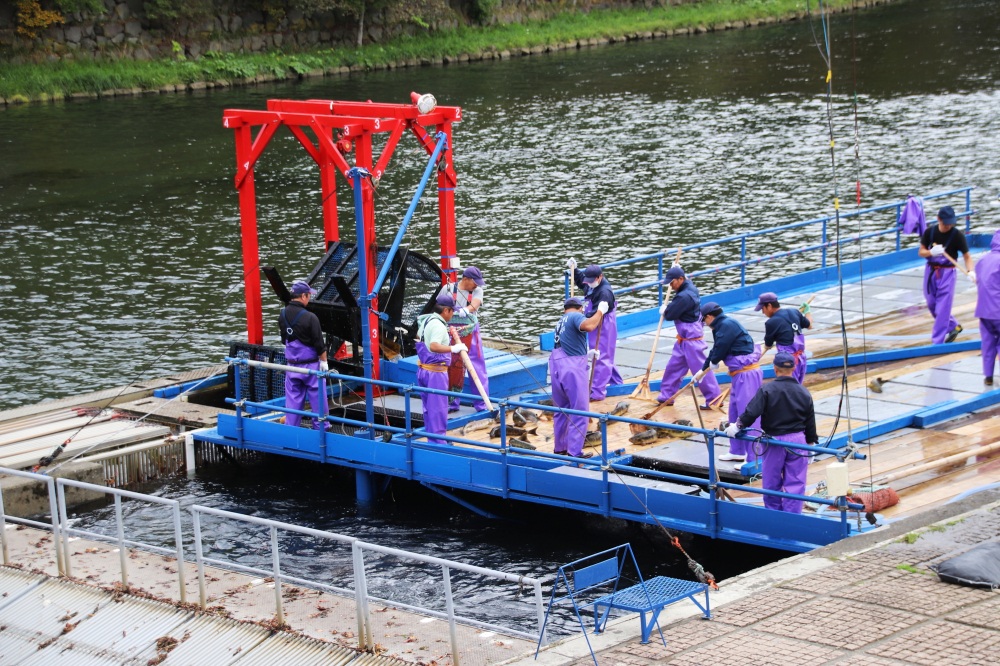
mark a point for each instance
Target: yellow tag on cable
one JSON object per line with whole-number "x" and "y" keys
{"x": 836, "y": 203}
{"x": 829, "y": 75}
{"x": 833, "y": 143}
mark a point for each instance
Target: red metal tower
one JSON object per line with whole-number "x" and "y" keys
{"x": 339, "y": 129}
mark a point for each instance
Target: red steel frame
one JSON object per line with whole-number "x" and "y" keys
{"x": 338, "y": 128}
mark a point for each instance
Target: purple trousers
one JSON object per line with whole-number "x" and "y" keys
{"x": 785, "y": 470}
{"x": 569, "y": 390}
{"x": 798, "y": 350}
{"x": 605, "y": 371}
{"x": 435, "y": 407}
{"x": 989, "y": 330}
{"x": 299, "y": 387}
{"x": 939, "y": 292}
{"x": 689, "y": 354}
{"x": 456, "y": 372}
{"x": 744, "y": 387}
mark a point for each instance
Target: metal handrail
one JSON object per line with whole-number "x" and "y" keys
{"x": 744, "y": 261}
{"x": 123, "y": 543}
{"x": 605, "y": 464}
{"x": 360, "y": 591}
{"x": 50, "y": 483}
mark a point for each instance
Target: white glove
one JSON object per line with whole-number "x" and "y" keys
{"x": 571, "y": 264}
{"x": 663, "y": 309}
{"x": 324, "y": 366}
{"x": 937, "y": 250}
{"x": 972, "y": 278}
{"x": 602, "y": 307}
{"x": 675, "y": 265}
{"x": 458, "y": 348}
{"x": 593, "y": 354}
{"x": 462, "y": 312}
{"x": 732, "y": 429}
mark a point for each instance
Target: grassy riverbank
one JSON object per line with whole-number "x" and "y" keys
{"x": 82, "y": 79}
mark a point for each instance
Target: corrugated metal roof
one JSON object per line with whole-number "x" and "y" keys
{"x": 59, "y": 622}
{"x": 14, "y": 582}
{"x": 39, "y": 617}
{"x": 287, "y": 650}
{"x": 120, "y": 631}
{"x": 210, "y": 640}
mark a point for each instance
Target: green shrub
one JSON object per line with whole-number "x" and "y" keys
{"x": 483, "y": 11}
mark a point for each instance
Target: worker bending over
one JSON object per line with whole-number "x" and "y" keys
{"x": 785, "y": 327}
{"x": 433, "y": 357}
{"x": 690, "y": 350}
{"x": 734, "y": 345}
{"x": 568, "y": 370}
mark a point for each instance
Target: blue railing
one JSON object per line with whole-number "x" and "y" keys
{"x": 606, "y": 463}
{"x": 745, "y": 261}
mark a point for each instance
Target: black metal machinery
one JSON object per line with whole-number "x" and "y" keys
{"x": 409, "y": 291}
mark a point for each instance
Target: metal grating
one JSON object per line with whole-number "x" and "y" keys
{"x": 278, "y": 376}
{"x": 257, "y": 384}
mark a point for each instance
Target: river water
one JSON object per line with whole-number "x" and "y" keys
{"x": 119, "y": 222}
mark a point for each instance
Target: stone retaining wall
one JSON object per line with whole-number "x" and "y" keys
{"x": 124, "y": 30}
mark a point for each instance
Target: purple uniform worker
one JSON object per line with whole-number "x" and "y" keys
{"x": 433, "y": 355}
{"x": 468, "y": 295}
{"x": 939, "y": 242}
{"x": 735, "y": 347}
{"x": 690, "y": 350}
{"x": 304, "y": 348}
{"x": 597, "y": 290}
{"x": 784, "y": 327}
{"x": 988, "y": 306}
{"x": 785, "y": 409}
{"x": 568, "y": 373}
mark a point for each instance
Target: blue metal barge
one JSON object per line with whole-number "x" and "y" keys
{"x": 679, "y": 485}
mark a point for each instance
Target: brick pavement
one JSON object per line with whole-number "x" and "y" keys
{"x": 882, "y": 606}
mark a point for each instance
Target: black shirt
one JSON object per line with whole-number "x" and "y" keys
{"x": 953, "y": 240}
{"x": 304, "y": 325}
{"x": 783, "y": 326}
{"x": 784, "y": 406}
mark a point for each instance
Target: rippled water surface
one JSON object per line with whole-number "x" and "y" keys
{"x": 120, "y": 238}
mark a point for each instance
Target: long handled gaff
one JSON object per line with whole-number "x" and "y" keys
{"x": 719, "y": 492}
{"x": 956, "y": 264}
{"x": 472, "y": 371}
{"x": 593, "y": 365}
{"x": 642, "y": 390}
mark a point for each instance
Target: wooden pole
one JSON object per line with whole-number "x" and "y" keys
{"x": 472, "y": 371}
{"x": 642, "y": 390}
{"x": 719, "y": 492}
{"x": 956, "y": 264}
{"x": 665, "y": 403}
{"x": 934, "y": 464}
{"x": 593, "y": 365}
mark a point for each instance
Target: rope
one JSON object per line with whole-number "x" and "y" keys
{"x": 825, "y": 53}
{"x": 45, "y": 461}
